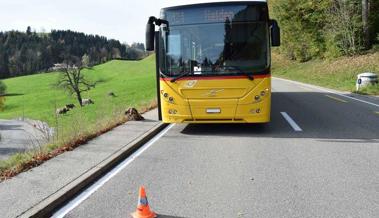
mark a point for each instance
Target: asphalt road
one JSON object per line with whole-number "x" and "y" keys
{"x": 328, "y": 169}
{"x": 18, "y": 136}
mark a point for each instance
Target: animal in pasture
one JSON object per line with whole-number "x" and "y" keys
{"x": 70, "y": 106}
{"x": 63, "y": 110}
{"x": 112, "y": 94}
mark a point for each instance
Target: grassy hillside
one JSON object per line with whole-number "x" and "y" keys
{"x": 338, "y": 73}
{"x": 36, "y": 97}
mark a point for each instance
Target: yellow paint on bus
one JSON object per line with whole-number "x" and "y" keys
{"x": 216, "y": 100}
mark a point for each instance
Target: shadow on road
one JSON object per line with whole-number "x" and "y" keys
{"x": 4, "y": 127}
{"x": 319, "y": 116}
{"x": 8, "y": 151}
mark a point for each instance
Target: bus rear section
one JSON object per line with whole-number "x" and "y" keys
{"x": 213, "y": 62}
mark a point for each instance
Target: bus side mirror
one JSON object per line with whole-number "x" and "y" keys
{"x": 275, "y": 33}
{"x": 150, "y": 36}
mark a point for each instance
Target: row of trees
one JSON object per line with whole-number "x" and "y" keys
{"x": 326, "y": 28}
{"x": 23, "y": 53}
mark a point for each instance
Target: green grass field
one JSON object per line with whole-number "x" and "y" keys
{"x": 340, "y": 73}
{"x": 36, "y": 97}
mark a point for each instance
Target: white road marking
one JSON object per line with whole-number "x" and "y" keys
{"x": 329, "y": 91}
{"x": 291, "y": 122}
{"x": 306, "y": 88}
{"x": 94, "y": 187}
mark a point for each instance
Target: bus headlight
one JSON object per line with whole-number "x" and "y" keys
{"x": 255, "y": 111}
{"x": 171, "y": 99}
{"x": 165, "y": 95}
{"x": 172, "y": 111}
{"x": 263, "y": 93}
{"x": 257, "y": 97}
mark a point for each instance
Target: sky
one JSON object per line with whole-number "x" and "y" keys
{"x": 123, "y": 20}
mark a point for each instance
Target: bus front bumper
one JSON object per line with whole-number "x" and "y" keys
{"x": 251, "y": 113}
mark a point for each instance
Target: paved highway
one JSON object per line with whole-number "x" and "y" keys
{"x": 319, "y": 157}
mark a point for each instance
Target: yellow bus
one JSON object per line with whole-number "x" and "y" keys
{"x": 213, "y": 62}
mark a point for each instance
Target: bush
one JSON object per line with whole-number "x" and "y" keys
{"x": 302, "y": 23}
{"x": 313, "y": 29}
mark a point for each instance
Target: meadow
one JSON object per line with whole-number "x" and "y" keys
{"x": 36, "y": 97}
{"x": 340, "y": 73}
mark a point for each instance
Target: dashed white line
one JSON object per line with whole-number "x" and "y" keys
{"x": 291, "y": 122}
{"x": 93, "y": 188}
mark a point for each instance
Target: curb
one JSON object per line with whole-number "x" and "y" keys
{"x": 49, "y": 205}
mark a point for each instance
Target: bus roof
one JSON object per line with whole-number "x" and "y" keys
{"x": 200, "y": 3}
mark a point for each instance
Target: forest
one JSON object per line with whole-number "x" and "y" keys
{"x": 311, "y": 29}
{"x": 326, "y": 28}
{"x": 24, "y": 53}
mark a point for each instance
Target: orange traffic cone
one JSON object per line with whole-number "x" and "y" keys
{"x": 143, "y": 209}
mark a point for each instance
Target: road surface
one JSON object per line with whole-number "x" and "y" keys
{"x": 319, "y": 157}
{"x": 17, "y": 136}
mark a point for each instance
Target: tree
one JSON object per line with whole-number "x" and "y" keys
{"x": 73, "y": 80}
{"x": 28, "y": 31}
{"x": 302, "y": 23}
{"x": 345, "y": 26}
{"x": 3, "y": 89}
{"x": 86, "y": 61}
{"x": 326, "y": 28}
{"x": 23, "y": 53}
{"x": 365, "y": 23}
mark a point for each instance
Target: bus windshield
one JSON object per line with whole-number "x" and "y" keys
{"x": 234, "y": 46}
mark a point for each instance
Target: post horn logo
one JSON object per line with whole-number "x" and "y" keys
{"x": 213, "y": 92}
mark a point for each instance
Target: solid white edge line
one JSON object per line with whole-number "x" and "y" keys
{"x": 291, "y": 122}
{"x": 328, "y": 90}
{"x": 94, "y": 187}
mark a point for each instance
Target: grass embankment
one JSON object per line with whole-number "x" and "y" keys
{"x": 35, "y": 97}
{"x": 340, "y": 73}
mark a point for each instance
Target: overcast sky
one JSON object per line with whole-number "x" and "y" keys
{"x": 123, "y": 20}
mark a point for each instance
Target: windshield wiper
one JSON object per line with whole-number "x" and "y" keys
{"x": 250, "y": 75}
{"x": 180, "y": 76}
{"x": 163, "y": 75}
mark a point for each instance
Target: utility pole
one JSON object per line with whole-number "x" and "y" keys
{"x": 365, "y": 25}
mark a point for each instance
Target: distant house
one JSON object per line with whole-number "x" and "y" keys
{"x": 58, "y": 66}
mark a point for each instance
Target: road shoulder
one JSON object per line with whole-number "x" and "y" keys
{"x": 370, "y": 99}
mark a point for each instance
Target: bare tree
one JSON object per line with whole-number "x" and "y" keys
{"x": 73, "y": 80}
{"x": 345, "y": 25}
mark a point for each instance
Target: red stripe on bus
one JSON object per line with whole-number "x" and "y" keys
{"x": 217, "y": 77}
